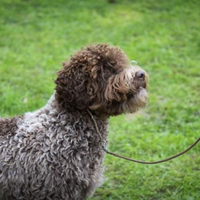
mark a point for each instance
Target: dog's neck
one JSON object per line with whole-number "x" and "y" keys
{"x": 71, "y": 113}
{"x": 70, "y": 108}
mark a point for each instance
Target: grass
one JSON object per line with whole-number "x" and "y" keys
{"x": 163, "y": 36}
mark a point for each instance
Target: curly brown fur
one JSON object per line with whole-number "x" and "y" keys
{"x": 55, "y": 152}
{"x": 87, "y": 72}
{"x": 9, "y": 126}
{"x": 105, "y": 80}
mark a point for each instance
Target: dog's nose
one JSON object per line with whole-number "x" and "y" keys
{"x": 140, "y": 74}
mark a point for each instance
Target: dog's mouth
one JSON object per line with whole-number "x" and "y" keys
{"x": 142, "y": 86}
{"x": 141, "y": 83}
{"x": 138, "y": 86}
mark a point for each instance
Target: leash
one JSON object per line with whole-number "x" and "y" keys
{"x": 139, "y": 161}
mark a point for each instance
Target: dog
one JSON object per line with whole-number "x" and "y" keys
{"x": 55, "y": 152}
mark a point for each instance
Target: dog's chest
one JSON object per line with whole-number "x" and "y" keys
{"x": 54, "y": 151}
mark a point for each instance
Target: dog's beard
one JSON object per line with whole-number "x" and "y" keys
{"x": 131, "y": 104}
{"x": 135, "y": 102}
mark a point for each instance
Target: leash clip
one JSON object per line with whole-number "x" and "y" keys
{"x": 104, "y": 146}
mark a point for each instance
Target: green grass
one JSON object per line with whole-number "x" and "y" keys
{"x": 163, "y": 36}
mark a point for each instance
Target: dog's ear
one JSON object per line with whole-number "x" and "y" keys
{"x": 71, "y": 86}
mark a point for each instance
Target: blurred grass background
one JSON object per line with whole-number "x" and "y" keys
{"x": 163, "y": 36}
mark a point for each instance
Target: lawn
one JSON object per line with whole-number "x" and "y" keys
{"x": 163, "y": 36}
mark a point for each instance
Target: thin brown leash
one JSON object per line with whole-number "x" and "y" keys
{"x": 139, "y": 161}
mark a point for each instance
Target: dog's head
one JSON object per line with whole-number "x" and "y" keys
{"x": 101, "y": 78}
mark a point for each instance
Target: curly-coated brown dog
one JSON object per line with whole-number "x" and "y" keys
{"x": 55, "y": 153}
